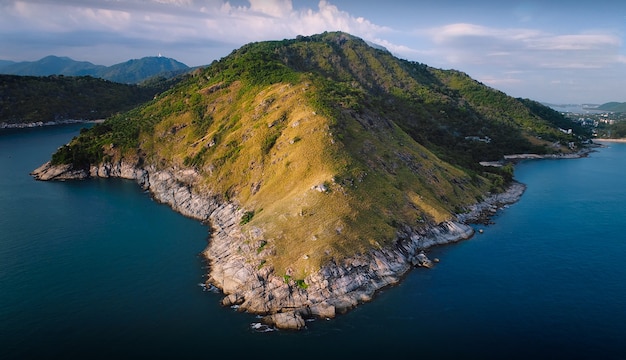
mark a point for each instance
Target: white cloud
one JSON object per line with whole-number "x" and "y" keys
{"x": 100, "y": 18}
{"x": 453, "y": 33}
{"x": 277, "y": 19}
{"x": 175, "y": 2}
{"x": 276, "y": 8}
{"x": 575, "y": 42}
{"x": 498, "y": 82}
{"x": 467, "y": 44}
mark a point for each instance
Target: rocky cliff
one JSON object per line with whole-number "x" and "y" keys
{"x": 284, "y": 302}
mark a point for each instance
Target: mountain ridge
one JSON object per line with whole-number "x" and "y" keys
{"x": 132, "y": 71}
{"x": 329, "y": 165}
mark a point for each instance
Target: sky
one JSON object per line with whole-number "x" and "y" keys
{"x": 556, "y": 51}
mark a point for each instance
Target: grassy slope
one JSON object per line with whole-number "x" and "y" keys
{"x": 274, "y": 122}
{"x": 267, "y": 149}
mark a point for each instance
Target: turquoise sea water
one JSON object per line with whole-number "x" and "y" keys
{"x": 96, "y": 269}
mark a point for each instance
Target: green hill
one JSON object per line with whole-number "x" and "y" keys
{"x": 31, "y": 99}
{"x": 138, "y": 70}
{"x": 330, "y": 146}
{"x": 613, "y": 106}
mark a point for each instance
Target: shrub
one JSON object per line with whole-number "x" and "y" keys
{"x": 301, "y": 284}
{"x": 247, "y": 216}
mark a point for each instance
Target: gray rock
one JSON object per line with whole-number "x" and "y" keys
{"x": 233, "y": 260}
{"x": 48, "y": 171}
{"x": 286, "y": 320}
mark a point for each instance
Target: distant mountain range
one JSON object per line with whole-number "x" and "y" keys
{"x": 129, "y": 72}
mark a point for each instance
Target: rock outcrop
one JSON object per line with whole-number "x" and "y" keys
{"x": 48, "y": 171}
{"x": 336, "y": 288}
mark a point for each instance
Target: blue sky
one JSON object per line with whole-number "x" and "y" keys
{"x": 552, "y": 51}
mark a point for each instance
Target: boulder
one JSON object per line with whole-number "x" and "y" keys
{"x": 323, "y": 310}
{"x": 48, "y": 171}
{"x": 286, "y": 320}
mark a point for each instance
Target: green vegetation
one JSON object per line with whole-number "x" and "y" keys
{"x": 29, "y": 99}
{"x": 615, "y": 131}
{"x": 613, "y": 106}
{"x": 609, "y": 124}
{"x": 339, "y": 143}
{"x": 137, "y": 71}
{"x": 301, "y": 284}
{"x": 247, "y": 216}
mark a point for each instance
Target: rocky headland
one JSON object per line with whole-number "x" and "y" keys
{"x": 325, "y": 168}
{"x": 284, "y": 303}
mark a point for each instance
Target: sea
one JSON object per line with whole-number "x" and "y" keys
{"x": 577, "y": 108}
{"x": 96, "y": 269}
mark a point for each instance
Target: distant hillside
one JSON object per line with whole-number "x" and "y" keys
{"x": 31, "y": 99}
{"x": 613, "y": 106}
{"x": 52, "y": 65}
{"x": 4, "y": 63}
{"x": 131, "y": 72}
{"x": 136, "y": 71}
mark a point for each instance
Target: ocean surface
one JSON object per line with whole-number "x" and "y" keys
{"x": 576, "y": 108}
{"x": 97, "y": 269}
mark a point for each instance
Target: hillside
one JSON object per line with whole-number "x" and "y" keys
{"x": 613, "y": 107}
{"x": 32, "y": 99}
{"x": 328, "y": 153}
{"x": 51, "y": 65}
{"x": 4, "y": 63}
{"x": 137, "y": 70}
{"x": 130, "y": 72}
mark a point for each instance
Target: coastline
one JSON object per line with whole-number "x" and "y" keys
{"x": 283, "y": 303}
{"x": 428, "y": 308}
{"x": 335, "y": 289}
{"x": 5, "y": 125}
{"x": 622, "y": 140}
{"x": 515, "y": 158}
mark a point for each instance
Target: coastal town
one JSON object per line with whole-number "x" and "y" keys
{"x": 604, "y": 124}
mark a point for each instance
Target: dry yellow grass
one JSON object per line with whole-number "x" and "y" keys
{"x": 320, "y": 188}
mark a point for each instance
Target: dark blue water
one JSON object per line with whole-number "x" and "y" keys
{"x": 96, "y": 269}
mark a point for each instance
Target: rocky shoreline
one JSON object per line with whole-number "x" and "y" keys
{"x": 515, "y": 158}
{"x": 284, "y": 303}
{"x": 5, "y": 125}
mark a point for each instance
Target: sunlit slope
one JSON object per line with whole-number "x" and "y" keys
{"x": 331, "y": 147}
{"x": 318, "y": 189}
